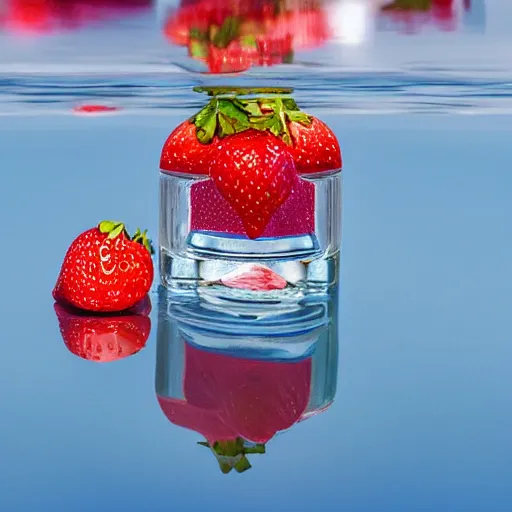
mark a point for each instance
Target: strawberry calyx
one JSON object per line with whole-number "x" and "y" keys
{"x": 114, "y": 228}
{"x": 233, "y": 453}
{"x": 233, "y": 110}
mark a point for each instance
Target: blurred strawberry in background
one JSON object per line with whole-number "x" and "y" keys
{"x": 233, "y": 36}
{"x": 412, "y": 15}
{"x": 42, "y": 16}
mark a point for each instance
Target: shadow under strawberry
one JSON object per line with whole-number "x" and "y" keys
{"x": 104, "y": 338}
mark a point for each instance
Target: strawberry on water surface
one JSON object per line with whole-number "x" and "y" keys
{"x": 105, "y": 270}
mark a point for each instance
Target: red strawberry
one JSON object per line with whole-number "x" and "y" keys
{"x": 315, "y": 147}
{"x": 254, "y": 277}
{"x": 254, "y": 171}
{"x": 182, "y": 151}
{"x": 234, "y": 58}
{"x": 256, "y": 399}
{"x": 105, "y": 270}
{"x": 102, "y": 338}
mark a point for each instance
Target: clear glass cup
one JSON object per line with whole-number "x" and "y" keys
{"x": 202, "y": 239}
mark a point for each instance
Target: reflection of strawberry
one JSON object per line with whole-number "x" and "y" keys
{"x": 255, "y": 173}
{"x": 315, "y": 147}
{"x": 182, "y": 151}
{"x": 256, "y": 399}
{"x": 231, "y": 59}
{"x": 103, "y": 338}
{"x": 229, "y": 450}
{"x": 105, "y": 270}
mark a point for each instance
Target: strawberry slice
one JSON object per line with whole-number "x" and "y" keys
{"x": 254, "y": 277}
{"x": 102, "y": 339}
{"x": 255, "y": 173}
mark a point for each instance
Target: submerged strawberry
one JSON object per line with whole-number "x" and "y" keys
{"x": 183, "y": 152}
{"x": 256, "y": 399}
{"x": 105, "y": 270}
{"x": 254, "y": 277}
{"x": 102, "y": 338}
{"x": 255, "y": 173}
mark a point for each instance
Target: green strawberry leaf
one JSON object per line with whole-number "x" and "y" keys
{"x": 243, "y": 465}
{"x": 228, "y": 32}
{"x": 198, "y": 49}
{"x": 249, "y": 41}
{"x": 288, "y": 58}
{"x": 258, "y": 449}
{"x": 108, "y": 226}
{"x": 229, "y": 109}
{"x": 225, "y": 127}
{"x": 289, "y": 104}
{"x": 250, "y": 107}
{"x": 225, "y": 467}
{"x": 206, "y": 124}
{"x": 298, "y": 117}
{"x": 196, "y": 33}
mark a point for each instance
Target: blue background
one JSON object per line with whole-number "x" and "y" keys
{"x": 422, "y": 418}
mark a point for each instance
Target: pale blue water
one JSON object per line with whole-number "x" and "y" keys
{"x": 422, "y": 417}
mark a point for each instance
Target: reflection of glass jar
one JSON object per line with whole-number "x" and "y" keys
{"x": 285, "y": 214}
{"x": 215, "y": 376}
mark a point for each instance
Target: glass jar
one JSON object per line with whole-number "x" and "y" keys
{"x": 205, "y": 233}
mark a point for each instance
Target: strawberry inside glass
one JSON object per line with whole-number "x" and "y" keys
{"x": 249, "y": 176}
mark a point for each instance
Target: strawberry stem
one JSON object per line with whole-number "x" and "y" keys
{"x": 114, "y": 228}
{"x": 141, "y": 238}
{"x": 236, "y": 109}
{"x": 242, "y": 91}
{"x": 233, "y": 453}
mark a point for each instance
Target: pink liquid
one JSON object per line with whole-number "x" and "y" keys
{"x": 228, "y": 397}
{"x": 211, "y": 212}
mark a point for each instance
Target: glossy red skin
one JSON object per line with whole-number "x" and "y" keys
{"x": 255, "y": 399}
{"x": 315, "y": 147}
{"x": 104, "y": 275}
{"x": 255, "y": 173}
{"x": 211, "y": 212}
{"x": 102, "y": 339}
{"x": 183, "y": 153}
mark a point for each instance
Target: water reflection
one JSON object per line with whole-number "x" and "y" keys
{"x": 43, "y": 16}
{"x": 235, "y": 35}
{"x": 105, "y": 338}
{"x": 238, "y": 378}
{"x": 410, "y": 16}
